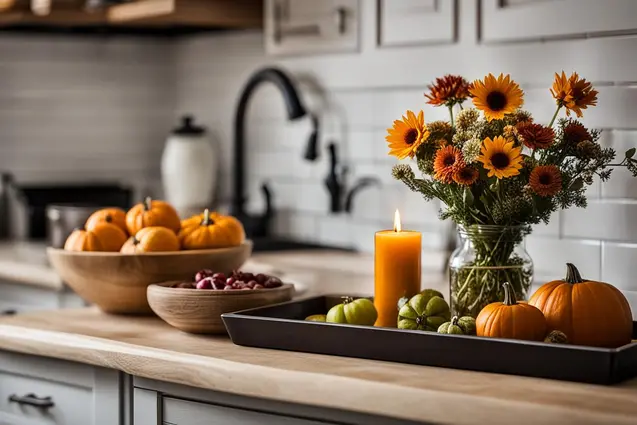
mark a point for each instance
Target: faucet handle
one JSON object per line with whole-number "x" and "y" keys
{"x": 358, "y": 186}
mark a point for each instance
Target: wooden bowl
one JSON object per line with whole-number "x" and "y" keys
{"x": 117, "y": 283}
{"x": 199, "y": 310}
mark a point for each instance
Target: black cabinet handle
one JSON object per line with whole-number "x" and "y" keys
{"x": 32, "y": 400}
{"x": 8, "y": 312}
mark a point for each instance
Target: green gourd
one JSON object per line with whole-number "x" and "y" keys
{"x": 465, "y": 325}
{"x": 425, "y": 311}
{"x": 354, "y": 312}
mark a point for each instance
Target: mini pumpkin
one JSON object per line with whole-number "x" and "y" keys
{"x": 116, "y": 216}
{"x": 152, "y": 213}
{"x": 151, "y": 239}
{"x": 510, "y": 319}
{"x": 210, "y": 230}
{"x": 589, "y": 312}
{"x": 102, "y": 237}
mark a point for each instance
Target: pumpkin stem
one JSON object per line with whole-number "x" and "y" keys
{"x": 572, "y": 274}
{"x": 347, "y": 300}
{"x": 148, "y": 203}
{"x": 207, "y": 221}
{"x": 136, "y": 241}
{"x": 108, "y": 218}
{"x": 509, "y": 294}
{"x": 454, "y": 321}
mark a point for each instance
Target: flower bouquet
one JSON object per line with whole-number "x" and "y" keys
{"x": 498, "y": 172}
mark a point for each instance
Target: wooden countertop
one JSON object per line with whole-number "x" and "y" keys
{"x": 147, "y": 347}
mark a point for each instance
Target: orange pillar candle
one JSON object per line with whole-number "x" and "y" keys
{"x": 397, "y": 270}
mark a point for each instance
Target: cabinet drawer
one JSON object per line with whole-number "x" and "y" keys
{"x": 71, "y": 405}
{"x": 182, "y": 412}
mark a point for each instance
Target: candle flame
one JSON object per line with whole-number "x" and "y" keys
{"x": 397, "y": 225}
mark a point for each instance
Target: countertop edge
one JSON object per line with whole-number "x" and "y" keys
{"x": 318, "y": 389}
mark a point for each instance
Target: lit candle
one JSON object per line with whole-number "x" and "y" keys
{"x": 397, "y": 270}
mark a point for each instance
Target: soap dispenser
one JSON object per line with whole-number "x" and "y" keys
{"x": 189, "y": 168}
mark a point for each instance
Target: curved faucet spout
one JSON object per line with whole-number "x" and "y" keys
{"x": 295, "y": 110}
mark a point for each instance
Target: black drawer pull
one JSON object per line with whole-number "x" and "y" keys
{"x": 32, "y": 400}
{"x": 8, "y": 312}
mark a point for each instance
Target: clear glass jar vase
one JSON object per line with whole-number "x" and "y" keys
{"x": 488, "y": 256}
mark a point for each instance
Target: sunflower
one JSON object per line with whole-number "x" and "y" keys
{"x": 447, "y": 162}
{"x": 500, "y": 157}
{"x": 546, "y": 180}
{"x": 448, "y": 91}
{"x": 535, "y": 136}
{"x": 407, "y": 135}
{"x": 583, "y": 95}
{"x": 496, "y": 97}
{"x": 466, "y": 176}
{"x": 574, "y": 133}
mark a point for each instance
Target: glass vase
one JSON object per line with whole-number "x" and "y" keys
{"x": 488, "y": 256}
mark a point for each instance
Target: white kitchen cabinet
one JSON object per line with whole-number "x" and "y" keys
{"x": 529, "y": 20}
{"x": 19, "y": 297}
{"x": 311, "y": 26}
{"x": 162, "y": 403}
{"x": 416, "y": 22}
{"x": 43, "y": 391}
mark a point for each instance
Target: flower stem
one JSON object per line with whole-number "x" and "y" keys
{"x": 451, "y": 114}
{"x": 555, "y": 115}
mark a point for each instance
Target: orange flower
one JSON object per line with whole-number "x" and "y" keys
{"x": 583, "y": 95}
{"x": 574, "y": 133}
{"x": 496, "y": 97}
{"x": 500, "y": 157}
{"x": 407, "y": 135}
{"x": 447, "y": 162}
{"x": 574, "y": 93}
{"x": 561, "y": 90}
{"x": 535, "y": 136}
{"x": 546, "y": 180}
{"x": 466, "y": 176}
{"x": 448, "y": 91}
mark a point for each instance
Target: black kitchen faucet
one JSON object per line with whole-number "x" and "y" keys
{"x": 257, "y": 225}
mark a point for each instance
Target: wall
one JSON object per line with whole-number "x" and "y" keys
{"x": 74, "y": 109}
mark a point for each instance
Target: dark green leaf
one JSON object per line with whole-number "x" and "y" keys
{"x": 577, "y": 184}
{"x": 631, "y": 152}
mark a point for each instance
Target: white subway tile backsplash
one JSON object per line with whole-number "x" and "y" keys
{"x": 551, "y": 255}
{"x": 619, "y": 265}
{"x": 631, "y": 296}
{"x": 336, "y": 229}
{"x": 290, "y": 224}
{"x": 353, "y": 108}
{"x": 605, "y": 220}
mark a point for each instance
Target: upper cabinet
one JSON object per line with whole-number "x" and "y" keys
{"x": 416, "y": 22}
{"x": 520, "y": 20}
{"x": 311, "y": 26}
{"x": 166, "y": 16}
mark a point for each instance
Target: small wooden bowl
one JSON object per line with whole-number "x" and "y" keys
{"x": 199, "y": 311}
{"x": 117, "y": 283}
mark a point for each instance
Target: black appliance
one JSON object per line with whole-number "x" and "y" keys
{"x": 37, "y": 197}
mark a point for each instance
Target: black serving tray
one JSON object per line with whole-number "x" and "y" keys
{"x": 282, "y": 327}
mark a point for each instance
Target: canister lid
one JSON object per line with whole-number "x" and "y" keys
{"x": 188, "y": 127}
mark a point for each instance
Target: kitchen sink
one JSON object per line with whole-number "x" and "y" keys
{"x": 278, "y": 244}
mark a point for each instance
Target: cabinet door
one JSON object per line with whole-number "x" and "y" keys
{"x": 310, "y": 26}
{"x": 42, "y": 391}
{"x": 416, "y": 22}
{"x": 516, "y": 20}
{"x": 183, "y": 412}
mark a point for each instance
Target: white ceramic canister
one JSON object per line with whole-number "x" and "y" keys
{"x": 189, "y": 168}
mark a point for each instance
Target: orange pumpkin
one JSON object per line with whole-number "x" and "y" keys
{"x": 102, "y": 237}
{"x": 151, "y": 213}
{"x": 151, "y": 239}
{"x": 207, "y": 231}
{"x": 510, "y": 319}
{"x": 116, "y": 216}
{"x": 588, "y": 312}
